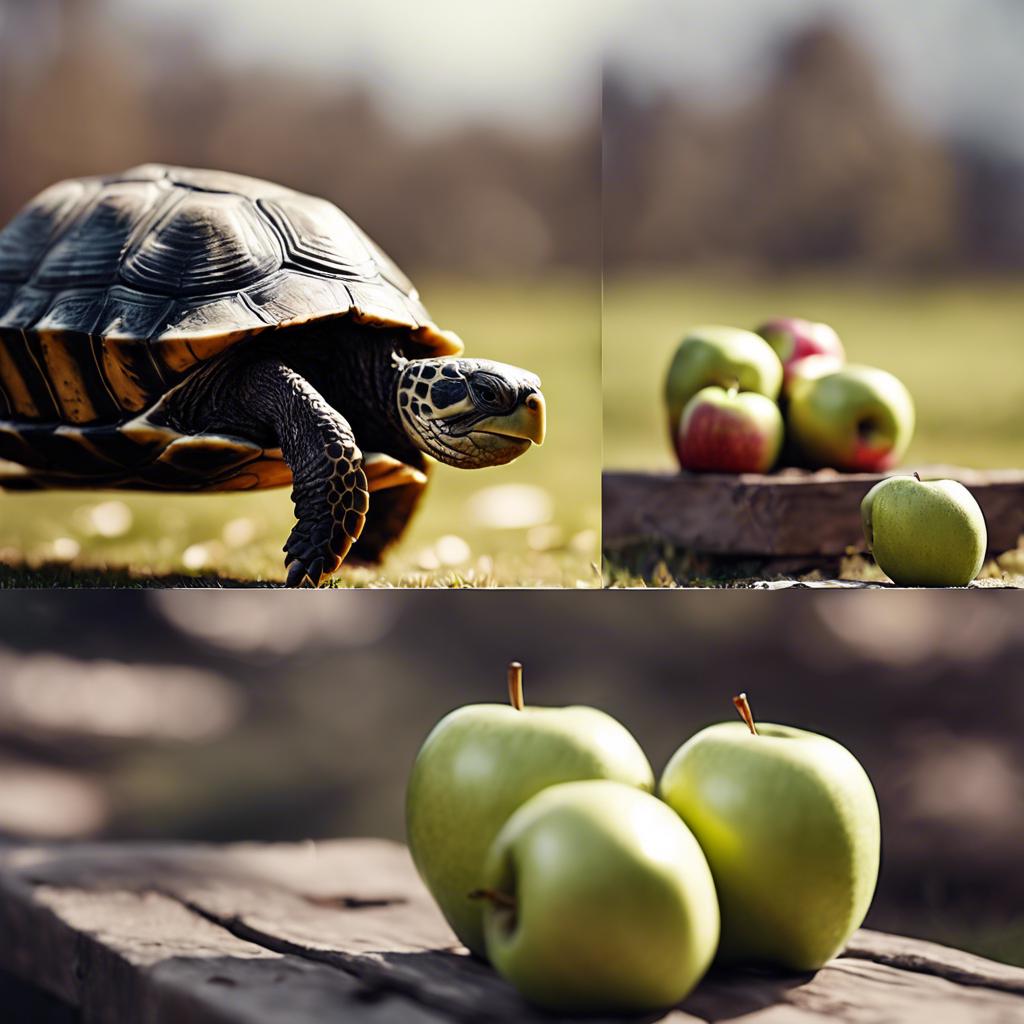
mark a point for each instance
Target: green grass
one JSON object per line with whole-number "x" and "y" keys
{"x": 958, "y": 348}
{"x": 552, "y": 328}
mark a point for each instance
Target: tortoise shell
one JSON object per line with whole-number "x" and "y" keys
{"x": 114, "y": 289}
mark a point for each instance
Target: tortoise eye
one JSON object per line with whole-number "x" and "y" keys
{"x": 488, "y": 390}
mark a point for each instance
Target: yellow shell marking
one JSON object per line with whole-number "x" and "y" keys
{"x": 117, "y": 368}
{"x": 15, "y": 388}
{"x": 66, "y": 379}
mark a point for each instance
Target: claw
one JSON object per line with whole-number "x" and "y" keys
{"x": 330, "y": 519}
{"x": 306, "y": 568}
{"x": 296, "y": 574}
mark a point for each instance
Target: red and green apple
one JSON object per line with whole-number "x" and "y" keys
{"x": 857, "y": 419}
{"x": 729, "y": 431}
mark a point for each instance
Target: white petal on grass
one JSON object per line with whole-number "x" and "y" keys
{"x": 65, "y": 549}
{"x": 452, "y": 550}
{"x": 237, "y": 533}
{"x": 195, "y": 556}
{"x": 511, "y": 507}
{"x": 427, "y": 559}
{"x": 110, "y": 519}
{"x": 546, "y": 537}
{"x": 584, "y": 542}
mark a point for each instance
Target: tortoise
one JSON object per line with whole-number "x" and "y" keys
{"x": 176, "y": 329}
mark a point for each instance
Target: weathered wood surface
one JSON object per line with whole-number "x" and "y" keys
{"x": 345, "y": 931}
{"x": 830, "y": 584}
{"x": 791, "y": 514}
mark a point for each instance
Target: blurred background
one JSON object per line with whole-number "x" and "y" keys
{"x": 281, "y": 716}
{"x": 861, "y": 164}
{"x": 463, "y": 137}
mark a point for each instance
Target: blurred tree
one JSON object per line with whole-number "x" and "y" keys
{"x": 818, "y": 170}
{"x": 990, "y": 209}
{"x": 83, "y": 93}
{"x": 70, "y": 99}
{"x": 835, "y": 174}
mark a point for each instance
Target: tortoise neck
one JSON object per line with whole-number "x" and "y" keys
{"x": 355, "y": 370}
{"x": 358, "y": 374}
{"x": 379, "y": 372}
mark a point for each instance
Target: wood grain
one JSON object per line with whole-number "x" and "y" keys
{"x": 792, "y": 514}
{"x": 267, "y": 934}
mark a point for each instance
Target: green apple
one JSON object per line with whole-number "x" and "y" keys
{"x": 925, "y": 533}
{"x": 789, "y": 824}
{"x": 857, "y": 418}
{"x": 725, "y": 356}
{"x": 479, "y": 764}
{"x": 598, "y": 899}
{"x": 729, "y": 432}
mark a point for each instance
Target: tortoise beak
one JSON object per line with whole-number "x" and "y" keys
{"x": 526, "y": 421}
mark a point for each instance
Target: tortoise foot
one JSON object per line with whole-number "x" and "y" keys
{"x": 327, "y": 528}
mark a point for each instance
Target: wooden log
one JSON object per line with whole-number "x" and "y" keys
{"x": 111, "y": 944}
{"x": 792, "y": 514}
{"x": 345, "y": 931}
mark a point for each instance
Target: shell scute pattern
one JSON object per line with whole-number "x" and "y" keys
{"x": 318, "y": 236}
{"x": 25, "y": 308}
{"x": 289, "y": 298}
{"x": 114, "y": 289}
{"x": 207, "y": 243}
{"x": 187, "y": 262}
{"x": 75, "y": 311}
{"x": 25, "y": 240}
{"x": 89, "y": 252}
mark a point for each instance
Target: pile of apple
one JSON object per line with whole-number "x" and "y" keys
{"x": 735, "y": 396}
{"x": 536, "y": 831}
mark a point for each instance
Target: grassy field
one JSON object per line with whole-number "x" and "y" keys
{"x": 957, "y": 347}
{"x": 532, "y": 523}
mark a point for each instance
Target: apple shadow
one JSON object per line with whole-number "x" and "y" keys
{"x": 463, "y": 986}
{"x": 727, "y": 993}
{"x": 456, "y": 983}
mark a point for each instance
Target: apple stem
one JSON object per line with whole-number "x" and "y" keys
{"x": 917, "y": 476}
{"x": 743, "y": 707}
{"x": 515, "y": 685}
{"x": 499, "y": 899}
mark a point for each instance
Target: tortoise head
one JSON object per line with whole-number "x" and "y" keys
{"x": 470, "y": 412}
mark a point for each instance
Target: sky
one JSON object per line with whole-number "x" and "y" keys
{"x": 954, "y": 64}
{"x": 430, "y": 61}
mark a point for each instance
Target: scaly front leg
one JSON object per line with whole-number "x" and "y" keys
{"x": 268, "y": 402}
{"x": 329, "y": 487}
